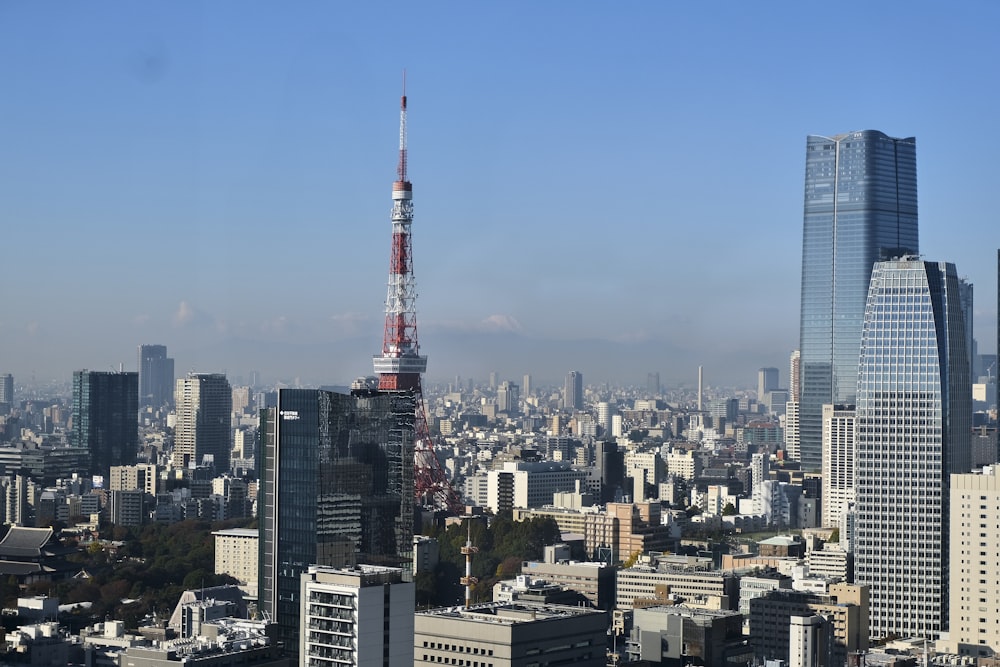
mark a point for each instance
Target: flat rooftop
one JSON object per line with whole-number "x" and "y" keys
{"x": 510, "y": 613}
{"x": 238, "y": 532}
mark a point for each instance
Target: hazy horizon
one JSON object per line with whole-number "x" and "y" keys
{"x": 615, "y": 189}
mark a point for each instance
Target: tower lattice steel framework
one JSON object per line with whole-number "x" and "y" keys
{"x": 400, "y": 364}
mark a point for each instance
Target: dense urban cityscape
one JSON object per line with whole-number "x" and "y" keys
{"x": 849, "y": 515}
{"x": 681, "y": 393}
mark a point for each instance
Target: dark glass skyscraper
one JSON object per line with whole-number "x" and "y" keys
{"x": 912, "y": 432}
{"x": 156, "y": 376}
{"x": 6, "y": 392}
{"x": 573, "y": 391}
{"x": 337, "y": 490}
{"x": 860, "y": 207}
{"x": 106, "y": 418}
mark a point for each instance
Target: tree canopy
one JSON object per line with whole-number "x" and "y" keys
{"x": 147, "y": 573}
{"x": 503, "y": 546}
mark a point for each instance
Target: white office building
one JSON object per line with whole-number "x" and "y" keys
{"x": 361, "y": 615}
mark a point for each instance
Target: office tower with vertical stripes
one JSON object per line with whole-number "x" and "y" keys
{"x": 860, "y": 207}
{"x": 913, "y": 422}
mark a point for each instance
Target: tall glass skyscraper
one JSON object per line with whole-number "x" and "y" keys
{"x": 106, "y": 418}
{"x": 6, "y": 391}
{"x": 860, "y": 207}
{"x": 336, "y": 490}
{"x": 156, "y": 376}
{"x": 914, "y": 415}
{"x": 573, "y": 391}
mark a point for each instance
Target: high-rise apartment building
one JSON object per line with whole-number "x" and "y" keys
{"x": 204, "y": 421}
{"x": 653, "y": 384}
{"x": 792, "y": 442}
{"x": 794, "y": 375}
{"x": 860, "y": 207}
{"x": 336, "y": 490}
{"x": 573, "y": 391}
{"x": 974, "y": 584}
{"x": 912, "y": 432}
{"x": 156, "y": 376}
{"x": 767, "y": 379}
{"x": 526, "y": 384}
{"x": 838, "y": 463}
{"x": 106, "y": 418}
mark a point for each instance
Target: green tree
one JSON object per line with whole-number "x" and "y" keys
{"x": 632, "y": 559}
{"x": 728, "y": 510}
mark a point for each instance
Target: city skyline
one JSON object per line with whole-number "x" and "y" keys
{"x": 213, "y": 179}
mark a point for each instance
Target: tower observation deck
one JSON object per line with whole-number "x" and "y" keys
{"x": 400, "y": 365}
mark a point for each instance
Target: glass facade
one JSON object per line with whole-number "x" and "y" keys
{"x": 860, "y": 207}
{"x": 337, "y": 484}
{"x": 106, "y": 418}
{"x": 156, "y": 376}
{"x": 913, "y": 422}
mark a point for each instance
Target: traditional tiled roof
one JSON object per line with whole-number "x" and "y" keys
{"x": 23, "y": 542}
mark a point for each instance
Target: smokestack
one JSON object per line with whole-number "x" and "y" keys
{"x": 700, "y": 378}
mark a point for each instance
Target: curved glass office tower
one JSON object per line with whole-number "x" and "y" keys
{"x": 860, "y": 207}
{"x": 914, "y": 416}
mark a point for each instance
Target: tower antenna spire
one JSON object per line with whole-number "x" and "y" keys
{"x": 401, "y": 167}
{"x": 400, "y": 364}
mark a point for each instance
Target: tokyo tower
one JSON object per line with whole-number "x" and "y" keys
{"x": 400, "y": 364}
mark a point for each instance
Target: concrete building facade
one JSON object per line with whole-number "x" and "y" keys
{"x": 510, "y": 635}
{"x": 361, "y": 615}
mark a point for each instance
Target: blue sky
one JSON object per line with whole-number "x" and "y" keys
{"x": 610, "y": 187}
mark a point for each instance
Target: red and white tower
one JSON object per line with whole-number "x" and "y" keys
{"x": 400, "y": 365}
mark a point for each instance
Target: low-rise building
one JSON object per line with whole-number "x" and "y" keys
{"x": 595, "y": 581}
{"x": 677, "y": 635}
{"x": 831, "y": 562}
{"x": 41, "y": 644}
{"x": 358, "y": 615}
{"x": 846, "y": 607}
{"x": 224, "y": 643}
{"x": 510, "y": 635}
{"x": 237, "y": 554}
{"x": 642, "y": 581}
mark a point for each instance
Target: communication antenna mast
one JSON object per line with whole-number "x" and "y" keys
{"x": 468, "y": 551}
{"x": 400, "y": 364}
